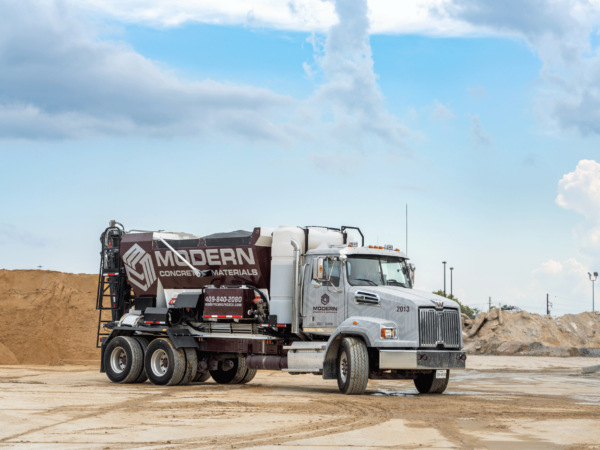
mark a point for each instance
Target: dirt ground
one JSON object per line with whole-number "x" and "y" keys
{"x": 501, "y": 402}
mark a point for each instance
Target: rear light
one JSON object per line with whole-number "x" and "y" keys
{"x": 388, "y": 333}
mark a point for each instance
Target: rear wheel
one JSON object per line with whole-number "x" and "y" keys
{"x": 191, "y": 366}
{"x": 429, "y": 383}
{"x": 144, "y": 344}
{"x": 353, "y": 366}
{"x": 233, "y": 375}
{"x": 123, "y": 359}
{"x": 165, "y": 364}
{"x": 250, "y": 374}
{"x": 201, "y": 376}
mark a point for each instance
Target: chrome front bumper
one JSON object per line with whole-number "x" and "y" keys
{"x": 422, "y": 359}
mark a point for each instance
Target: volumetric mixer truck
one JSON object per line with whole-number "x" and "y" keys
{"x": 176, "y": 308}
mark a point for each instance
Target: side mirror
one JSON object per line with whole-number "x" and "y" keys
{"x": 318, "y": 269}
{"x": 412, "y": 268}
{"x": 315, "y": 284}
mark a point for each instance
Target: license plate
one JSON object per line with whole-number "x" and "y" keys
{"x": 440, "y": 374}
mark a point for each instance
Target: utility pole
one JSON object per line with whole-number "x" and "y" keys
{"x": 548, "y": 304}
{"x": 444, "y": 263}
{"x": 490, "y": 307}
{"x": 451, "y": 269}
{"x": 593, "y": 280}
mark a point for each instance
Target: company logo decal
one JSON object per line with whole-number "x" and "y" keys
{"x": 438, "y": 304}
{"x": 220, "y": 261}
{"x": 324, "y": 309}
{"x": 146, "y": 275}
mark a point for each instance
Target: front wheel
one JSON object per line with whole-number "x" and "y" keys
{"x": 353, "y": 366}
{"x": 434, "y": 382}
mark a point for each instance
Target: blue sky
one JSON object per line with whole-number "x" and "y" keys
{"x": 202, "y": 117}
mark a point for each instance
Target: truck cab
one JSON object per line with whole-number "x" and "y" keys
{"x": 367, "y": 292}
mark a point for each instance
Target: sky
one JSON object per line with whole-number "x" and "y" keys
{"x": 207, "y": 116}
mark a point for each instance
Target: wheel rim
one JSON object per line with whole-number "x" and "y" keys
{"x": 343, "y": 367}
{"x": 159, "y": 363}
{"x": 118, "y": 360}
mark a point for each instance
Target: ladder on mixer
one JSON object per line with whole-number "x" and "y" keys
{"x": 112, "y": 296}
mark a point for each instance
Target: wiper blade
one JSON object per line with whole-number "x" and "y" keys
{"x": 368, "y": 281}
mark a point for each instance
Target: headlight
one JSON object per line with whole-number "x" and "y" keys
{"x": 388, "y": 333}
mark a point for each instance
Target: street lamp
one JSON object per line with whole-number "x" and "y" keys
{"x": 593, "y": 280}
{"x": 451, "y": 269}
{"x": 444, "y": 263}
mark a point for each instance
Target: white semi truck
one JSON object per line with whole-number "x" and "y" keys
{"x": 185, "y": 308}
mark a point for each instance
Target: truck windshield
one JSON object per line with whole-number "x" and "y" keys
{"x": 377, "y": 271}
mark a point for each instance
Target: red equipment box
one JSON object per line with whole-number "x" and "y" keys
{"x": 223, "y": 303}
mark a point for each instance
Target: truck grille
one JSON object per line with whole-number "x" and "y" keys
{"x": 439, "y": 327}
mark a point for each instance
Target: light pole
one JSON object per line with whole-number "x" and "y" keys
{"x": 451, "y": 269}
{"x": 593, "y": 280}
{"x": 444, "y": 263}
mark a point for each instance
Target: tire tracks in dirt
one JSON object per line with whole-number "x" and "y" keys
{"x": 349, "y": 414}
{"x": 127, "y": 404}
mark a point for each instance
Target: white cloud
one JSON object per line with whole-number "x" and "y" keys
{"x": 350, "y": 91}
{"x": 579, "y": 191}
{"x": 481, "y": 138}
{"x": 59, "y": 80}
{"x": 408, "y": 16}
{"x": 562, "y": 33}
{"x": 566, "y": 283}
{"x": 441, "y": 113}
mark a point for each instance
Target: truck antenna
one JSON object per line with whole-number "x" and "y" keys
{"x": 407, "y": 229}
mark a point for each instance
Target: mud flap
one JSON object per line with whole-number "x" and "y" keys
{"x": 182, "y": 338}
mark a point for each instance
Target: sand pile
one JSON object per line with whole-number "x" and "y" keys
{"x": 532, "y": 334}
{"x": 47, "y": 317}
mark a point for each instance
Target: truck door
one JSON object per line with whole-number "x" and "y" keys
{"x": 324, "y": 306}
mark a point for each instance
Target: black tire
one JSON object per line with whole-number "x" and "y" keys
{"x": 353, "y": 366}
{"x": 123, "y": 359}
{"x": 191, "y": 366}
{"x": 165, "y": 364}
{"x": 201, "y": 376}
{"x": 144, "y": 344}
{"x": 428, "y": 383}
{"x": 232, "y": 376}
{"x": 250, "y": 374}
